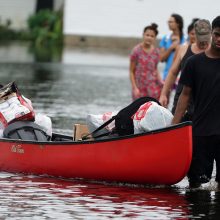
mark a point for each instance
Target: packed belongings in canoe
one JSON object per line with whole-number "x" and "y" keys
{"x": 18, "y": 119}
{"x": 95, "y": 121}
{"x": 151, "y": 116}
{"x": 13, "y": 106}
{"x": 144, "y": 114}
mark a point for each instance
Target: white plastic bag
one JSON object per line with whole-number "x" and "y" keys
{"x": 151, "y": 116}
{"x": 95, "y": 121}
{"x": 15, "y": 107}
{"x": 1, "y": 130}
{"x": 45, "y": 122}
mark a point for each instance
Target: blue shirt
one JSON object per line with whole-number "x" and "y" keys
{"x": 166, "y": 43}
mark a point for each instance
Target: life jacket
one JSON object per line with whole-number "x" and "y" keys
{"x": 123, "y": 120}
{"x": 13, "y": 106}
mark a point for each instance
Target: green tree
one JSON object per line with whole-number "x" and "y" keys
{"x": 46, "y": 28}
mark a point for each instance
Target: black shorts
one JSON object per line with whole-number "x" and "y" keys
{"x": 206, "y": 149}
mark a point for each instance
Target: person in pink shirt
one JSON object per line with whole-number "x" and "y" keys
{"x": 144, "y": 58}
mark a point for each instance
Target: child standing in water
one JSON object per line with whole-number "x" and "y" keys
{"x": 144, "y": 58}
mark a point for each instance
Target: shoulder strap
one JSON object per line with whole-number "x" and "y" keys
{"x": 127, "y": 111}
{"x": 99, "y": 128}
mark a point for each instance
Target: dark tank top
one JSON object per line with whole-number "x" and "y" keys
{"x": 188, "y": 54}
{"x": 179, "y": 88}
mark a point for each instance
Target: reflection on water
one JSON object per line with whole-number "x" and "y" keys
{"x": 204, "y": 204}
{"x": 52, "y": 198}
{"x": 86, "y": 81}
{"x": 24, "y": 197}
{"x": 51, "y": 53}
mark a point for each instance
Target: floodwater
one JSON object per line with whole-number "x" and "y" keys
{"x": 67, "y": 87}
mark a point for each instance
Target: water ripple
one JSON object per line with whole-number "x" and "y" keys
{"x": 47, "y": 198}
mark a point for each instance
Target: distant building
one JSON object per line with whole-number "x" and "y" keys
{"x": 87, "y": 22}
{"x": 114, "y": 23}
{"x": 127, "y": 18}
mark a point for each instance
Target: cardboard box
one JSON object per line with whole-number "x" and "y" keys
{"x": 80, "y": 130}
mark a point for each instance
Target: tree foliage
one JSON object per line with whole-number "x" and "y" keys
{"x": 46, "y": 27}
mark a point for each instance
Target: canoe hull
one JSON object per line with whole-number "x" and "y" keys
{"x": 160, "y": 157}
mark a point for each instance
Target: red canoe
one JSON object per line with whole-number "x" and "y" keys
{"x": 158, "y": 157}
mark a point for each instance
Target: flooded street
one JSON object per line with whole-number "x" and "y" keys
{"x": 25, "y": 197}
{"x": 85, "y": 82}
{"x": 79, "y": 82}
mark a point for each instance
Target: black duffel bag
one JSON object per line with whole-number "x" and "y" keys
{"x": 123, "y": 120}
{"x": 25, "y": 130}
